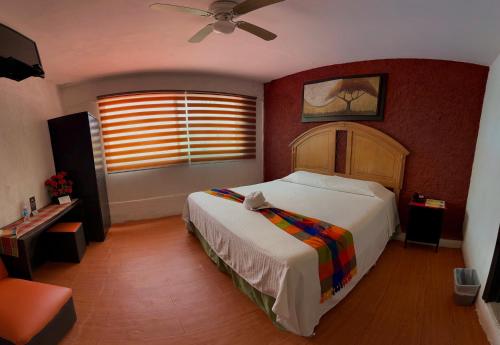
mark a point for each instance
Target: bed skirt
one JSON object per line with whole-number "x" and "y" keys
{"x": 263, "y": 301}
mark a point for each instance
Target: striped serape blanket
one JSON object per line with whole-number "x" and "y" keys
{"x": 334, "y": 245}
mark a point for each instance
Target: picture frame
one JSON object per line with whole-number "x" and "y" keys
{"x": 351, "y": 98}
{"x": 33, "y": 207}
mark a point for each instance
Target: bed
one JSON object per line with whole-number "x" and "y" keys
{"x": 279, "y": 272}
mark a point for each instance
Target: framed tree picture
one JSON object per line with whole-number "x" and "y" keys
{"x": 360, "y": 98}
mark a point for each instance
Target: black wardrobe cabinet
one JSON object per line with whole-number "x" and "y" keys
{"x": 77, "y": 149}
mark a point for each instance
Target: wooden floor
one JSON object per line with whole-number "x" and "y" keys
{"x": 151, "y": 283}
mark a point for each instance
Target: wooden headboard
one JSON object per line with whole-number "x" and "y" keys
{"x": 370, "y": 154}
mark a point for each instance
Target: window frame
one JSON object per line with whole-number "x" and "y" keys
{"x": 246, "y": 146}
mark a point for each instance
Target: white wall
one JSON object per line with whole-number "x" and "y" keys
{"x": 161, "y": 192}
{"x": 25, "y": 152}
{"x": 483, "y": 204}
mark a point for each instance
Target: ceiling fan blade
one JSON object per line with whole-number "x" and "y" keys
{"x": 202, "y": 34}
{"x": 168, "y": 7}
{"x": 252, "y": 5}
{"x": 256, "y": 30}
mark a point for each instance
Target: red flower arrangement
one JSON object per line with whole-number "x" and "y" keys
{"x": 59, "y": 185}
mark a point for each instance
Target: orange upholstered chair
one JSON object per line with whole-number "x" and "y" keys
{"x": 32, "y": 312}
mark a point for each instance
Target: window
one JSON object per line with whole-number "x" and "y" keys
{"x": 157, "y": 129}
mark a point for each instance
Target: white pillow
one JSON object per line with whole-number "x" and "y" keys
{"x": 349, "y": 185}
{"x": 307, "y": 178}
{"x": 336, "y": 183}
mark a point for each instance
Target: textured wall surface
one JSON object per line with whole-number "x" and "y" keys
{"x": 25, "y": 151}
{"x": 432, "y": 107}
{"x": 483, "y": 204}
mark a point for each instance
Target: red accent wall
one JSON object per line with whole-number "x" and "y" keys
{"x": 433, "y": 108}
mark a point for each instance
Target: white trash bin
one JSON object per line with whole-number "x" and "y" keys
{"x": 466, "y": 285}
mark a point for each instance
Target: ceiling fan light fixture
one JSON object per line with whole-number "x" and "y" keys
{"x": 223, "y": 27}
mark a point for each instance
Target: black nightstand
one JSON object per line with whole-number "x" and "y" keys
{"x": 424, "y": 223}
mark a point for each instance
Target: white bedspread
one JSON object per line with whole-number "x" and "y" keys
{"x": 278, "y": 264}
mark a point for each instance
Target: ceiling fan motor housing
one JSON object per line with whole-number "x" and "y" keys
{"x": 223, "y": 7}
{"x": 223, "y": 13}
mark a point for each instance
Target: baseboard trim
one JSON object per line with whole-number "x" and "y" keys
{"x": 487, "y": 318}
{"x": 488, "y": 321}
{"x": 148, "y": 208}
{"x": 444, "y": 242}
{"x": 155, "y": 198}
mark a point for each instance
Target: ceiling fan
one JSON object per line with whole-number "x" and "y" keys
{"x": 225, "y": 13}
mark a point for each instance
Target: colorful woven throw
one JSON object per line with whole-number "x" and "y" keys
{"x": 334, "y": 245}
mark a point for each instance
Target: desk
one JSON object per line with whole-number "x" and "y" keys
{"x": 30, "y": 249}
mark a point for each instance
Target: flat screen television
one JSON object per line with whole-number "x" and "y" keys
{"x": 19, "y": 58}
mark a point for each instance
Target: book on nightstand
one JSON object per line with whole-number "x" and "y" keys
{"x": 435, "y": 203}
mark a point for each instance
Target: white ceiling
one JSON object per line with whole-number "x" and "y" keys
{"x": 87, "y": 39}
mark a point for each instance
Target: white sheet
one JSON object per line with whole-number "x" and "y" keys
{"x": 276, "y": 263}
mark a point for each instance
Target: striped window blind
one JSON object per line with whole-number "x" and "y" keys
{"x": 157, "y": 129}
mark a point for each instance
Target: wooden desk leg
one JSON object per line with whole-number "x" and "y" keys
{"x": 26, "y": 270}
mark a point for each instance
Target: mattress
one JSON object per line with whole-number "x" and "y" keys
{"x": 279, "y": 265}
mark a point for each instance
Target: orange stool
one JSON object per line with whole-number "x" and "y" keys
{"x": 66, "y": 242}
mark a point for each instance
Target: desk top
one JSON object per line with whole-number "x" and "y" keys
{"x": 45, "y": 214}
